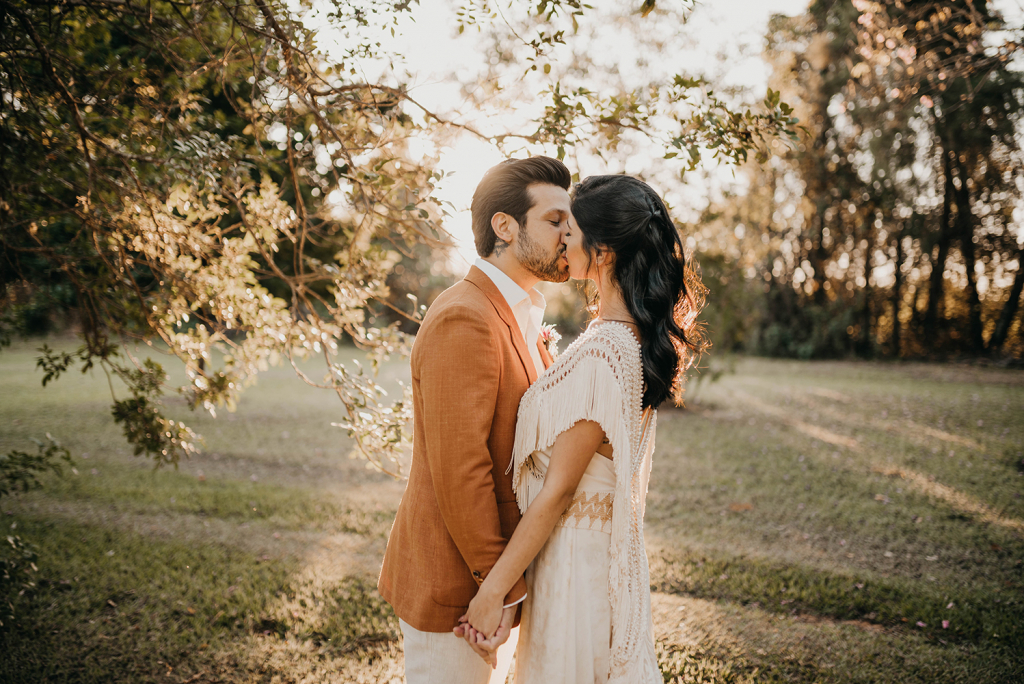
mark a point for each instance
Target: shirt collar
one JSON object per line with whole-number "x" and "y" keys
{"x": 513, "y": 294}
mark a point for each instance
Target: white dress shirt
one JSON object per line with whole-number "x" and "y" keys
{"x": 527, "y": 307}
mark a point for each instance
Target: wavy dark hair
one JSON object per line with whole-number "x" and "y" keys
{"x": 661, "y": 289}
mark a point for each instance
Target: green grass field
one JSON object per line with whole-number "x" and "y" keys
{"x": 807, "y": 522}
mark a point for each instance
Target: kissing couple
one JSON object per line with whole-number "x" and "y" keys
{"x": 521, "y": 528}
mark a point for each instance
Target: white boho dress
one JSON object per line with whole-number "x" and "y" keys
{"x": 587, "y": 615}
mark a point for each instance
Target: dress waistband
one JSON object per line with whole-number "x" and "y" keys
{"x": 590, "y": 511}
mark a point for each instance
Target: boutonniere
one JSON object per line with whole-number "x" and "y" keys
{"x": 550, "y": 338}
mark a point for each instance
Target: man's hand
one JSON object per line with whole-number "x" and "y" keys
{"x": 482, "y": 646}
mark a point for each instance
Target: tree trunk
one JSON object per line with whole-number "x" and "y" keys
{"x": 865, "y": 324}
{"x": 897, "y": 292}
{"x": 916, "y": 288}
{"x": 995, "y": 343}
{"x": 965, "y": 225}
{"x": 818, "y": 255}
{"x": 937, "y": 281}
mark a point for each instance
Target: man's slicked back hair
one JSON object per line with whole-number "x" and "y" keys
{"x": 504, "y": 188}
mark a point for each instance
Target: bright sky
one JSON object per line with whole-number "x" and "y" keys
{"x": 433, "y": 50}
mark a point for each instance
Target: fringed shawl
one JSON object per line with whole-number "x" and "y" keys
{"x": 600, "y": 378}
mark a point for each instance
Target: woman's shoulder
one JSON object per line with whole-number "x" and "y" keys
{"x": 611, "y": 337}
{"x": 612, "y": 343}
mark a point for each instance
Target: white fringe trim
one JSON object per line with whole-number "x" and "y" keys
{"x": 588, "y": 391}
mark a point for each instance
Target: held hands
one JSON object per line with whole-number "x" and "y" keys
{"x": 487, "y": 648}
{"x": 485, "y": 611}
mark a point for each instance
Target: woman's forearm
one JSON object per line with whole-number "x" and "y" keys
{"x": 527, "y": 541}
{"x": 570, "y": 455}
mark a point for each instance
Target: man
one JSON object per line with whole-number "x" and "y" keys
{"x": 477, "y": 352}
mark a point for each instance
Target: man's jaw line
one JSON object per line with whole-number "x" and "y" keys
{"x": 524, "y": 276}
{"x": 557, "y": 271}
{"x": 510, "y": 266}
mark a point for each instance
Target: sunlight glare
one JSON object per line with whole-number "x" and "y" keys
{"x": 472, "y": 157}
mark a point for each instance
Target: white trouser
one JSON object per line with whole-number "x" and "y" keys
{"x": 443, "y": 658}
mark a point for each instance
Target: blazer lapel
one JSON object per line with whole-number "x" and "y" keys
{"x": 480, "y": 279}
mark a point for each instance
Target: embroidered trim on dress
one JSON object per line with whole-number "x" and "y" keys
{"x": 595, "y": 509}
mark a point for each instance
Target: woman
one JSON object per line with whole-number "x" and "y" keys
{"x": 584, "y": 440}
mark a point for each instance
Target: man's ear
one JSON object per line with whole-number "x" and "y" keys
{"x": 505, "y": 227}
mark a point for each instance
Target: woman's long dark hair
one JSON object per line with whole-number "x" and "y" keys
{"x": 662, "y": 292}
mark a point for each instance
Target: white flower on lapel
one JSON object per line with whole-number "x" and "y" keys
{"x": 550, "y": 338}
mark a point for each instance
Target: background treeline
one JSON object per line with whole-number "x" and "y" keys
{"x": 891, "y": 230}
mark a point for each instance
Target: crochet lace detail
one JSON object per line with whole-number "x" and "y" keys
{"x": 600, "y": 378}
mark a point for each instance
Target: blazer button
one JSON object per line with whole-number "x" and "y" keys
{"x": 476, "y": 573}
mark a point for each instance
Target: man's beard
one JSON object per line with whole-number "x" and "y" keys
{"x": 532, "y": 257}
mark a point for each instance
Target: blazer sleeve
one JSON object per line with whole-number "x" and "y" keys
{"x": 459, "y": 378}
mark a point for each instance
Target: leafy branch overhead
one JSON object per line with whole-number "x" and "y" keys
{"x": 206, "y": 180}
{"x": 700, "y": 121}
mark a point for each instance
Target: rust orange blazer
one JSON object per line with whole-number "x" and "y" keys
{"x": 470, "y": 368}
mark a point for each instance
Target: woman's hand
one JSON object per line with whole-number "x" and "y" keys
{"x": 488, "y": 648}
{"x": 484, "y": 613}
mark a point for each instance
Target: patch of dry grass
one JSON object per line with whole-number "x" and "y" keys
{"x": 802, "y": 519}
